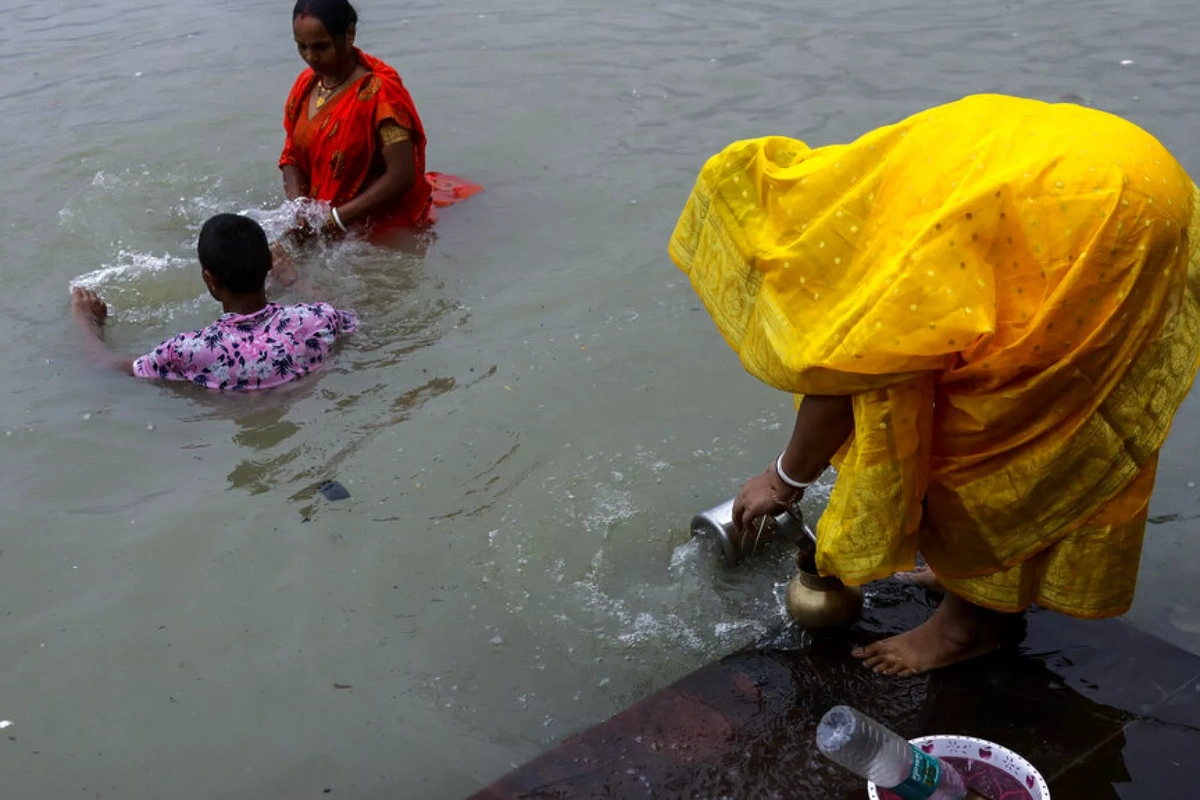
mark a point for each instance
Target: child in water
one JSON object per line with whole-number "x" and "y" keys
{"x": 256, "y": 344}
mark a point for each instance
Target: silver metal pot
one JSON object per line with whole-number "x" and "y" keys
{"x": 717, "y": 522}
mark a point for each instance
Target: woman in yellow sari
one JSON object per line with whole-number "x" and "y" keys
{"x": 991, "y": 313}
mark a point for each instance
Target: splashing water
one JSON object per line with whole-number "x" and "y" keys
{"x": 292, "y": 214}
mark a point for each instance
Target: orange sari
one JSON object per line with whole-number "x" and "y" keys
{"x": 339, "y": 149}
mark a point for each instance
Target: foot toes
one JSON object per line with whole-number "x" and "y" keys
{"x": 877, "y": 659}
{"x": 870, "y": 651}
{"x": 887, "y": 667}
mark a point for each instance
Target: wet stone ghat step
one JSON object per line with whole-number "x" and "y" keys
{"x": 1103, "y": 710}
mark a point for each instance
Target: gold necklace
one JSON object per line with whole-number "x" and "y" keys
{"x": 325, "y": 92}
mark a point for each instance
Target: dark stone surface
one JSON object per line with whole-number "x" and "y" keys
{"x": 1101, "y": 708}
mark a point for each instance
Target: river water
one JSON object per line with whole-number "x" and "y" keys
{"x": 534, "y": 408}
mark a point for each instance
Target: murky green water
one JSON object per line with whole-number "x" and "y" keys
{"x": 532, "y": 412}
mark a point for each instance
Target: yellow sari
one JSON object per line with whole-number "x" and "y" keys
{"x": 1009, "y": 291}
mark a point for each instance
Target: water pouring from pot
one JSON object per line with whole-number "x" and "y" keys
{"x": 814, "y": 601}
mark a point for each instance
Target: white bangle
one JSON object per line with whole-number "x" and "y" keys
{"x": 783, "y": 476}
{"x": 337, "y": 220}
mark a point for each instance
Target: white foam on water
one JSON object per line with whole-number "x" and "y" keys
{"x": 613, "y": 505}
{"x": 635, "y": 628}
{"x": 708, "y": 621}
{"x": 129, "y": 266}
{"x": 741, "y": 629}
{"x": 105, "y": 181}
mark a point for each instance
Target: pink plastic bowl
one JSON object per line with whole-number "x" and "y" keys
{"x": 982, "y": 750}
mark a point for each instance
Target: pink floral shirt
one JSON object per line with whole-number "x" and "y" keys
{"x": 242, "y": 352}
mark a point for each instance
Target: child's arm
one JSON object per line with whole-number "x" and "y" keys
{"x": 90, "y": 313}
{"x": 283, "y": 269}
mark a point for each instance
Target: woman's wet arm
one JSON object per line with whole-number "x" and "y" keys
{"x": 823, "y": 424}
{"x": 398, "y": 177}
{"x": 295, "y": 183}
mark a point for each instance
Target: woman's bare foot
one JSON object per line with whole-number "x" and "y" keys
{"x": 957, "y": 631}
{"x": 923, "y": 577}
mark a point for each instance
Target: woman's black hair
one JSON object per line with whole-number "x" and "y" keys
{"x": 234, "y": 250}
{"x": 336, "y": 15}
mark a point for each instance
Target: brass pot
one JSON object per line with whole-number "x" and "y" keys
{"x": 815, "y": 602}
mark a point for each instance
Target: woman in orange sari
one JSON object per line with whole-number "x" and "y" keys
{"x": 355, "y": 143}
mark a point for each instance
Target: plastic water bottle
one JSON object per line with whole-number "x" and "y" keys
{"x": 860, "y": 744}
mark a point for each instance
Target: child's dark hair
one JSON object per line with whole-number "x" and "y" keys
{"x": 336, "y": 15}
{"x": 234, "y": 250}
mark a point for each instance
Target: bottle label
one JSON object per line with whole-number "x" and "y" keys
{"x": 923, "y": 779}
